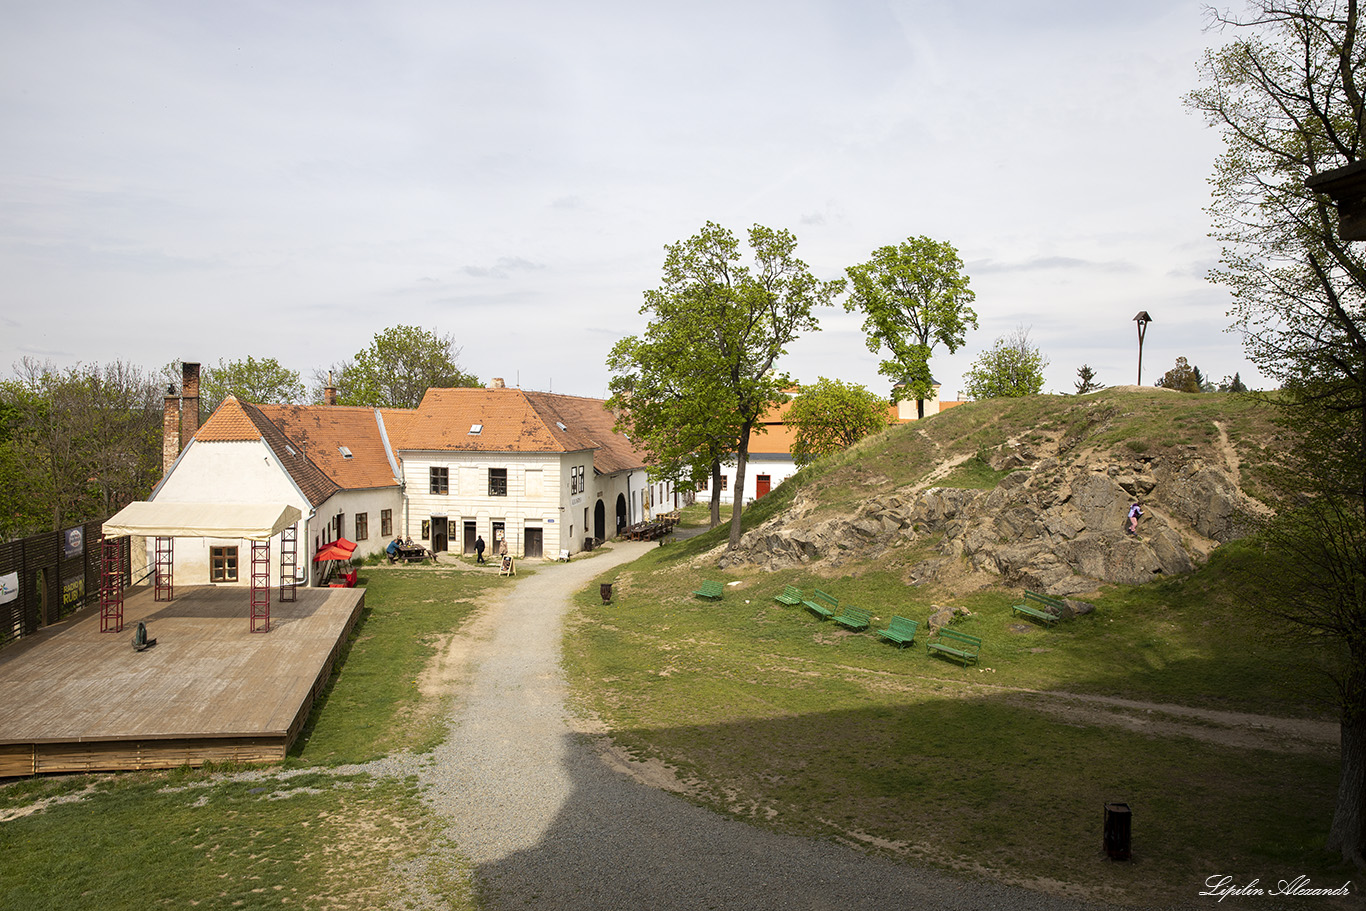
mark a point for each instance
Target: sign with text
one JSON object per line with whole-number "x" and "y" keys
{"x": 9, "y": 587}
{"x": 73, "y": 542}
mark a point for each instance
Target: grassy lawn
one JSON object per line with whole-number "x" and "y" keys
{"x": 799, "y": 725}
{"x": 302, "y": 836}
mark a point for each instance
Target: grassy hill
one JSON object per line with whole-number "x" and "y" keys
{"x": 1213, "y": 722}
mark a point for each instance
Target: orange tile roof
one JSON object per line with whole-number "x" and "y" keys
{"x": 321, "y": 430}
{"x": 228, "y": 424}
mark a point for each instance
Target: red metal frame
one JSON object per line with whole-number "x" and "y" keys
{"x": 163, "y": 570}
{"x": 111, "y": 584}
{"x": 260, "y": 586}
{"x": 289, "y": 561}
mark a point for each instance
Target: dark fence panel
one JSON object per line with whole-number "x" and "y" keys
{"x": 58, "y": 573}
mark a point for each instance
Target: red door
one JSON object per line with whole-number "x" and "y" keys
{"x": 761, "y": 485}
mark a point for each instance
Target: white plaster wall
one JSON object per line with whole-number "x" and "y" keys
{"x": 778, "y": 470}
{"x": 468, "y": 497}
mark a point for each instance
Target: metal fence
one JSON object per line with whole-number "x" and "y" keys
{"x": 48, "y": 577}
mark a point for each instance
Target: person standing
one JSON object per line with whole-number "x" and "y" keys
{"x": 479, "y": 549}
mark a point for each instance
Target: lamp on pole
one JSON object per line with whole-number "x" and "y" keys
{"x": 1143, "y": 319}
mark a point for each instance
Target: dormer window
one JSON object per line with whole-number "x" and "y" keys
{"x": 476, "y": 429}
{"x": 560, "y": 424}
{"x": 345, "y": 452}
{"x": 290, "y": 449}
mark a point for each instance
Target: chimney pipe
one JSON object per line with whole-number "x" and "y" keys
{"x": 329, "y": 391}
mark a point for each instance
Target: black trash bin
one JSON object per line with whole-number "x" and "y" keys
{"x": 605, "y": 589}
{"x": 587, "y": 543}
{"x": 1118, "y": 829}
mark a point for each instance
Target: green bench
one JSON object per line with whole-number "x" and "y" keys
{"x": 955, "y": 645}
{"x": 710, "y": 590}
{"x": 790, "y": 595}
{"x": 1040, "y": 607}
{"x": 821, "y": 604}
{"x": 901, "y": 631}
{"x": 853, "y": 618}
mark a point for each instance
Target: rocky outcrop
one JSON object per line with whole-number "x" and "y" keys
{"x": 1050, "y": 525}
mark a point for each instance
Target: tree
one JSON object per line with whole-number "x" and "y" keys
{"x": 913, "y": 296}
{"x": 1233, "y": 385}
{"x": 1086, "y": 380}
{"x": 398, "y": 368}
{"x": 1287, "y": 96}
{"x": 832, "y": 416}
{"x": 1013, "y": 367}
{"x": 1182, "y": 378}
{"x": 257, "y": 382}
{"x": 83, "y": 442}
{"x": 717, "y": 328}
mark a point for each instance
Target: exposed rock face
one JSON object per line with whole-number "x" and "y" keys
{"x": 1049, "y": 526}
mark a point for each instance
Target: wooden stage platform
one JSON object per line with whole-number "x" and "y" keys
{"x": 75, "y": 699}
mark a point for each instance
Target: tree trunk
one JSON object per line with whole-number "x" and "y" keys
{"x": 1347, "y": 835}
{"x": 737, "y": 496}
{"x": 715, "y": 493}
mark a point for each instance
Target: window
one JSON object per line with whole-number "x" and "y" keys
{"x": 573, "y": 479}
{"x": 498, "y": 482}
{"x": 338, "y": 528}
{"x": 386, "y": 523}
{"x": 222, "y": 564}
{"x": 441, "y": 480}
{"x": 725, "y": 482}
{"x": 362, "y": 526}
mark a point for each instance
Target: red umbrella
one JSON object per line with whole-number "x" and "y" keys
{"x": 333, "y": 552}
{"x": 345, "y": 545}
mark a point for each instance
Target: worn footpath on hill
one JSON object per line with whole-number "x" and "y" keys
{"x": 550, "y": 821}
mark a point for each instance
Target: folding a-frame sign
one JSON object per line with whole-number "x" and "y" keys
{"x": 164, "y": 522}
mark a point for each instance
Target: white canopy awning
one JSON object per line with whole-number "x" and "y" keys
{"x": 252, "y": 521}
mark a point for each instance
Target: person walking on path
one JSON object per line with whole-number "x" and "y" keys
{"x": 479, "y": 549}
{"x": 547, "y": 821}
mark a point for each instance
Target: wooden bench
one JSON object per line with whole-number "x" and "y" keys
{"x": 710, "y": 590}
{"x": 821, "y": 604}
{"x": 852, "y": 617}
{"x": 955, "y": 645}
{"x": 790, "y": 595}
{"x": 1040, "y": 607}
{"x": 901, "y": 631}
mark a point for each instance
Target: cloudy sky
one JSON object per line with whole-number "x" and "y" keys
{"x": 285, "y": 178}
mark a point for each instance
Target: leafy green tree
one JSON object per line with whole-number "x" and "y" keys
{"x": 913, "y": 296}
{"x": 264, "y": 381}
{"x": 1182, "y": 378}
{"x": 1233, "y": 385}
{"x": 831, "y": 416}
{"x": 83, "y": 442}
{"x": 731, "y": 321}
{"x": 1287, "y": 97}
{"x": 1013, "y": 367}
{"x": 399, "y": 366}
{"x": 1086, "y": 380}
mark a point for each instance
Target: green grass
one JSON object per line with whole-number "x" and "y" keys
{"x": 409, "y": 613}
{"x": 801, "y": 726}
{"x": 308, "y": 839}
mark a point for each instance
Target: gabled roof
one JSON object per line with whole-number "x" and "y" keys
{"x": 322, "y": 430}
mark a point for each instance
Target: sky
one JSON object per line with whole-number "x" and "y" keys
{"x": 212, "y": 181}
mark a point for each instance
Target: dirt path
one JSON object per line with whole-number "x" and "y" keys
{"x": 550, "y": 822}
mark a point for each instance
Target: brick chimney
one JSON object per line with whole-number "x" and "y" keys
{"x": 497, "y": 383}
{"x": 329, "y": 391}
{"x": 189, "y": 392}
{"x": 170, "y": 429}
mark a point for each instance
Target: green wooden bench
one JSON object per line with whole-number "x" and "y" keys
{"x": 821, "y": 604}
{"x": 790, "y": 595}
{"x": 901, "y": 631}
{"x": 710, "y": 590}
{"x": 1040, "y": 607}
{"x": 955, "y": 645}
{"x": 853, "y": 617}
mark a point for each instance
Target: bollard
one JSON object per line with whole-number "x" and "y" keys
{"x": 1118, "y": 823}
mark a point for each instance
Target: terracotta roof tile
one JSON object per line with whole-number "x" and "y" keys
{"x": 228, "y": 424}
{"x": 322, "y": 430}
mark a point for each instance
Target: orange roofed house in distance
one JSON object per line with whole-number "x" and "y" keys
{"x": 543, "y": 471}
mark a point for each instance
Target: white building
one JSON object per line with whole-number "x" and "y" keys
{"x": 544, "y": 472}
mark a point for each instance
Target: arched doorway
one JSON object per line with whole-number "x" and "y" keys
{"x": 621, "y": 512}
{"x": 600, "y": 520}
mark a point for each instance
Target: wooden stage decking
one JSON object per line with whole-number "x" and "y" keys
{"x": 75, "y": 699}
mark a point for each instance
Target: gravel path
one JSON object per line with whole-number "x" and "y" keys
{"x": 548, "y": 824}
